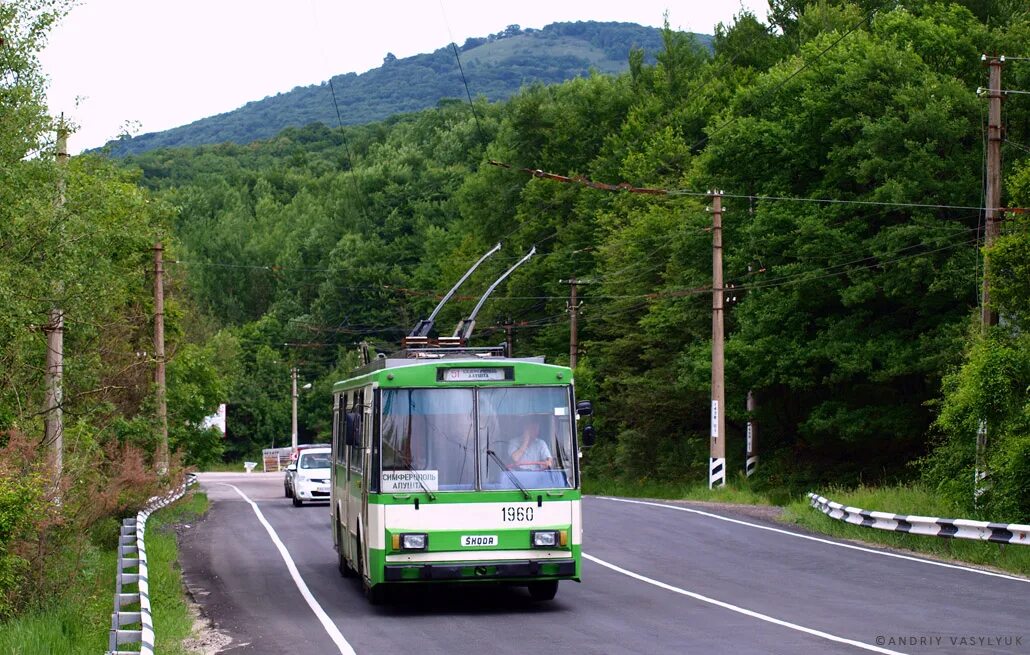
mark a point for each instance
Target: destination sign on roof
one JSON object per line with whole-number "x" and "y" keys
{"x": 492, "y": 374}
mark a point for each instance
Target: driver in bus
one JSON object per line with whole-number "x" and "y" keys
{"x": 530, "y": 452}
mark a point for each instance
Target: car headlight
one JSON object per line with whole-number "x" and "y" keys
{"x": 414, "y": 541}
{"x": 301, "y": 478}
{"x": 543, "y": 538}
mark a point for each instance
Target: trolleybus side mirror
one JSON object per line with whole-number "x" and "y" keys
{"x": 584, "y": 408}
{"x": 589, "y": 435}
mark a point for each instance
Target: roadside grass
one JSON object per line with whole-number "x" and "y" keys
{"x": 907, "y": 499}
{"x": 78, "y": 622}
{"x": 227, "y": 467}
{"x": 737, "y": 491}
{"x": 172, "y": 620}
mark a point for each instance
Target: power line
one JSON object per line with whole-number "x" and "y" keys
{"x": 654, "y": 191}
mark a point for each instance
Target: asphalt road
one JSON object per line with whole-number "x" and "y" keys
{"x": 657, "y": 579}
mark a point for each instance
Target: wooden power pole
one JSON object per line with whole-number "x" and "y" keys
{"x": 717, "y": 456}
{"x": 54, "y": 423}
{"x": 159, "y": 351}
{"x": 988, "y": 316}
{"x": 573, "y": 308}
{"x": 509, "y": 336}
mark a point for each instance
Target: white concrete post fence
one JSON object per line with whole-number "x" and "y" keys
{"x": 134, "y": 626}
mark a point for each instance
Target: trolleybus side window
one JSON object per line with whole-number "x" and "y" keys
{"x": 337, "y": 432}
{"x": 354, "y": 421}
{"x": 428, "y": 440}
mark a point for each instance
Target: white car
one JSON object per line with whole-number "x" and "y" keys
{"x": 311, "y": 476}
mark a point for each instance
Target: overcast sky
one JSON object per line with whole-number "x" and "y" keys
{"x": 164, "y": 63}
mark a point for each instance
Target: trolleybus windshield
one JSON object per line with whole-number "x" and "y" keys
{"x": 429, "y": 440}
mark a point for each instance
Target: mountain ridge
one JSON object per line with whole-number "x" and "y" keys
{"x": 495, "y": 67}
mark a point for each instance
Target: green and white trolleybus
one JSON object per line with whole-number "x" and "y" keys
{"x": 457, "y": 464}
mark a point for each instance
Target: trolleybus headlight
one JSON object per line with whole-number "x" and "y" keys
{"x": 544, "y": 538}
{"x": 414, "y": 541}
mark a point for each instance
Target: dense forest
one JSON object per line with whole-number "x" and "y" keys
{"x": 848, "y": 139}
{"x": 496, "y": 66}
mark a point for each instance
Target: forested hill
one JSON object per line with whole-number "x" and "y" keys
{"x": 496, "y": 66}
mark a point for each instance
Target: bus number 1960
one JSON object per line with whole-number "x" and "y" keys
{"x": 516, "y": 513}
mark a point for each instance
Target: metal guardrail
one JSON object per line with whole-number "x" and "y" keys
{"x": 1001, "y": 533}
{"x": 132, "y": 554}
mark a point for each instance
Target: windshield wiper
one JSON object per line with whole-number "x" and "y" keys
{"x": 511, "y": 475}
{"x": 411, "y": 468}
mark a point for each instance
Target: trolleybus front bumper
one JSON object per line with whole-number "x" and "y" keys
{"x": 505, "y": 570}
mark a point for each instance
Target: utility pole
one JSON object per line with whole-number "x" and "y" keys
{"x": 573, "y": 309}
{"x": 752, "y": 435}
{"x": 509, "y": 336}
{"x": 988, "y": 316}
{"x": 717, "y": 457}
{"x": 159, "y": 355}
{"x": 54, "y": 424}
{"x": 293, "y": 430}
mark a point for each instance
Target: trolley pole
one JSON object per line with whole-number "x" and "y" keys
{"x": 293, "y": 430}
{"x": 717, "y": 457}
{"x": 159, "y": 355}
{"x": 752, "y": 435}
{"x": 988, "y": 316}
{"x": 54, "y": 422}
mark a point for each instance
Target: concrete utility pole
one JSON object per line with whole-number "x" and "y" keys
{"x": 752, "y": 435}
{"x": 54, "y": 424}
{"x": 573, "y": 309}
{"x": 717, "y": 458}
{"x": 293, "y": 430}
{"x": 161, "y": 460}
{"x": 988, "y": 316}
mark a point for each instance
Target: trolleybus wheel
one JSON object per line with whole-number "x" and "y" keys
{"x": 544, "y": 590}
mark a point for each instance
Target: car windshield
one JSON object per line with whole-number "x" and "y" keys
{"x": 314, "y": 461}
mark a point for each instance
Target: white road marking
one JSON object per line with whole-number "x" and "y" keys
{"x": 741, "y": 610}
{"x": 327, "y": 623}
{"x": 817, "y": 539}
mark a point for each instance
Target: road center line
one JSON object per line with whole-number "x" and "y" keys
{"x": 741, "y": 610}
{"x": 327, "y": 623}
{"x": 816, "y": 539}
